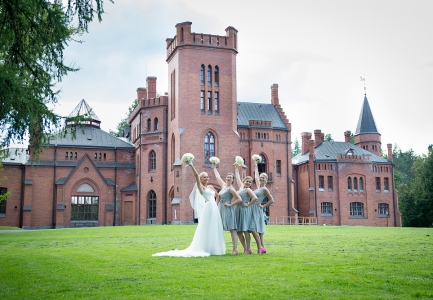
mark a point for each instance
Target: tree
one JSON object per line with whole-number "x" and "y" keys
{"x": 328, "y": 138}
{"x": 416, "y": 197}
{"x": 124, "y": 122}
{"x": 403, "y": 162}
{"x": 296, "y": 148}
{"x": 33, "y": 36}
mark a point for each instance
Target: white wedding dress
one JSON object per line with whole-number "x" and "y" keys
{"x": 209, "y": 236}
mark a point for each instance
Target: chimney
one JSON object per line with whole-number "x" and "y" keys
{"x": 306, "y": 136}
{"x": 317, "y": 137}
{"x": 311, "y": 148}
{"x": 347, "y": 136}
{"x": 141, "y": 94}
{"x": 389, "y": 152}
{"x": 274, "y": 94}
{"x": 151, "y": 87}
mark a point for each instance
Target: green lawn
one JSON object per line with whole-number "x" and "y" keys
{"x": 303, "y": 262}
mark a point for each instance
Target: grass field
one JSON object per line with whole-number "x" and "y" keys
{"x": 303, "y": 262}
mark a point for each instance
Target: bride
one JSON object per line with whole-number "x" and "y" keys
{"x": 209, "y": 236}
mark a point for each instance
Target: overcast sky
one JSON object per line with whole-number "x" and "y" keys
{"x": 315, "y": 50}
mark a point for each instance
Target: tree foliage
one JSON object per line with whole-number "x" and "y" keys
{"x": 403, "y": 163}
{"x": 296, "y": 148}
{"x": 328, "y": 138}
{"x": 124, "y": 122}
{"x": 33, "y": 36}
{"x": 416, "y": 196}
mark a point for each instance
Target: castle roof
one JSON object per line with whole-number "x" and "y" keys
{"x": 328, "y": 151}
{"x": 83, "y": 136}
{"x": 259, "y": 111}
{"x": 366, "y": 122}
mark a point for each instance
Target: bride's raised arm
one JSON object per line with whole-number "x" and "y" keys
{"x": 197, "y": 178}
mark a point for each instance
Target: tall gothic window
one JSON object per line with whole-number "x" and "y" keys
{"x": 209, "y": 146}
{"x": 216, "y": 76}
{"x": 209, "y": 102}
{"x": 202, "y": 75}
{"x": 155, "y": 124}
{"x": 209, "y": 75}
{"x": 262, "y": 165}
{"x": 202, "y": 101}
{"x": 151, "y": 205}
{"x": 216, "y": 102}
{"x": 149, "y": 125}
{"x": 349, "y": 184}
{"x": 152, "y": 161}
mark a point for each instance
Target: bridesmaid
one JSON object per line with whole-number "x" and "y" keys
{"x": 228, "y": 199}
{"x": 261, "y": 192}
{"x": 244, "y": 213}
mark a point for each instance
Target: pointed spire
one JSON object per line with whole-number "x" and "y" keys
{"x": 366, "y": 122}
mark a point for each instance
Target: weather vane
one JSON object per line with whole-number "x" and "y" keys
{"x": 363, "y": 79}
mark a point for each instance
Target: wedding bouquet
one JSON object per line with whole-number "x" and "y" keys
{"x": 239, "y": 161}
{"x": 256, "y": 158}
{"x": 215, "y": 160}
{"x": 187, "y": 158}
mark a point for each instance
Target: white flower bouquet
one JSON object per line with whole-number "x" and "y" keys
{"x": 215, "y": 160}
{"x": 256, "y": 158}
{"x": 239, "y": 161}
{"x": 187, "y": 158}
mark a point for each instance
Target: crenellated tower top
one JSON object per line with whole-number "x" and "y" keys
{"x": 184, "y": 37}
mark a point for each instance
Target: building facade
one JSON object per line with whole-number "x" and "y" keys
{"x": 89, "y": 178}
{"x": 341, "y": 183}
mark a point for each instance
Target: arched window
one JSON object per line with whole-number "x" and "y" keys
{"x": 361, "y": 184}
{"x": 151, "y": 205}
{"x": 209, "y": 146}
{"x": 202, "y": 74}
{"x": 355, "y": 184}
{"x": 149, "y": 124}
{"x": 181, "y": 35}
{"x": 66, "y": 156}
{"x": 349, "y": 184}
{"x": 155, "y": 124}
{"x": 262, "y": 165}
{"x": 152, "y": 161}
{"x": 209, "y": 75}
{"x": 71, "y": 155}
{"x": 216, "y": 76}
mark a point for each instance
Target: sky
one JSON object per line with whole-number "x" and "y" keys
{"x": 315, "y": 50}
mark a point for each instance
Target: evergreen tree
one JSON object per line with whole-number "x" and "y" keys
{"x": 124, "y": 122}
{"x": 33, "y": 36}
{"x": 296, "y": 148}
{"x": 328, "y": 138}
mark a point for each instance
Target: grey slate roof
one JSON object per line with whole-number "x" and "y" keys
{"x": 131, "y": 187}
{"x": 259, "y": 111}
{"x": 89, "y": 137}
{"x": 327, "y": 151}
{"x": 366, "y": 122}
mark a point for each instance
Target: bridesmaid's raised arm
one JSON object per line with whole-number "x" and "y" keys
{"x": 218, "y": 177}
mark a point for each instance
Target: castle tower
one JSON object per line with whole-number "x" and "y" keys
{"x": 202, "y": 108}
{"x": 366, "y": 135}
